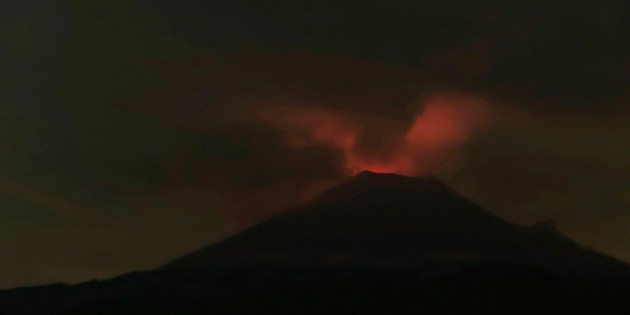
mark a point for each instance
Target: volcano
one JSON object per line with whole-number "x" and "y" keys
{"x": 374, "y": 243}
{"x": 381, "y": 220}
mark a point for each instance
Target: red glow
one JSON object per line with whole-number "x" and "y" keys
{"x": 436, "y": 134}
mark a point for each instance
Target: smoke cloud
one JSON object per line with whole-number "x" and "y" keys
{"x": 431, "y": 142}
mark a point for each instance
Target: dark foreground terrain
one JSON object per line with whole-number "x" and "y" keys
{"x": 273, "y": 290}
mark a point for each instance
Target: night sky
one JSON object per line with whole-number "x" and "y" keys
{"x": 135, "y": 131}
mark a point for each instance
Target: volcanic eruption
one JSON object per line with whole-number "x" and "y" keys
{"x": 432, "y": 140}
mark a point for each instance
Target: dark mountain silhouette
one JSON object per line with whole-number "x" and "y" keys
{"x": 392, "y": 221}
{"x": 375, "y": 243}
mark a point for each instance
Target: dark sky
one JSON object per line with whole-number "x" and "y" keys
{"x": 132, "y": 132}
